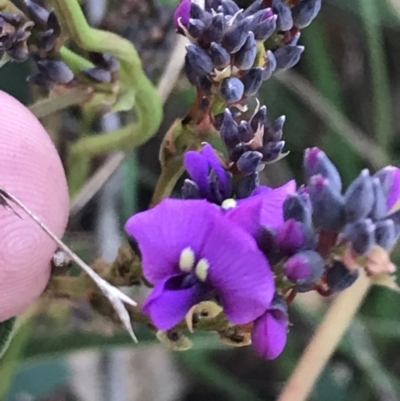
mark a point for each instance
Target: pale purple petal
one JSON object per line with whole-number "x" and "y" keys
{"x": 269, "y": 334}
{"x": 238, "y": 271}
{"x": 166, "y": 230}
{"x": 168, "y": 303}
{"x": 279, "y": 194}
{"x": 394, "y": 192}
{"x": 198, "y": 168}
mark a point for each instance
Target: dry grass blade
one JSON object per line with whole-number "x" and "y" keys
{"x": 116, "y": 297}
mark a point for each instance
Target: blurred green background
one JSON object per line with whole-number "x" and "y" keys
{"x": 343, "y": 96}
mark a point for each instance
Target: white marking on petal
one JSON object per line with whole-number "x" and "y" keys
{"x": 229, "y": 204}
{"x": 202, "y": 269}
{"x": 187, "y": 259}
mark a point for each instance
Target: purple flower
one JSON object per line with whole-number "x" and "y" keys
{"x": 182, "y": 14}
{"x": 191, "y": 252}
{"x": 206, "y": 171}
{"x": 390, "y": 179}
{"x": 263, "y": 208}
{"x": 270, "y": 330}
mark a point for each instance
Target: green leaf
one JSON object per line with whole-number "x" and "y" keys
{"x": 6, "y": 332}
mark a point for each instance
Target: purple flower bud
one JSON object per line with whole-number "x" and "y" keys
{"x": 304, "y": 12}
{"x": 195, "y": 28}
{"x": 246, "y": 134}
{"x": 244, "y": 58}
{"x": 229, "y": 130}
{"x": 327, "y": 203}
{"x": 97, "y": 74}
{"x": 52, "y": 23}
{"x": 288, "y": 56}
{"x": 190, "y": 72}
{"x": 199, "y": 59}
{"x": 304, "y": 267}
{"x": 212, "y": 5}
{"x": 219, "y": 56}
{"x": 235, "y": 38}
{"x": 379, "y": 209}
{"x": 266, "y": 241}
{"x": 254, "y": 7}
{"x": 182, "y": 14}
{"x": 196, "y": 12}
{"x": 46, "y": 40}
{"x": 385, "y": 233}
{"x": 249, "y": 161}
{"x": 252, "y": 81}
{"x": 56, "y": 70}
{"x": 390, "y": 179}
{"x": 246, "y": 185}
{"x": 265, "y": 29}
{"x": 359, "y": 197}
{"x": 291, "y": 237}
{"x": 231, "y": 89}
{"x": 237, "y": 151}
{"x": 339, "y": 277}
{"x": 296, "y": 207}
{"x": 40, "y": 80}
{"x": 37, "y": 14}
{"x": 270, "y": 65}
{"x": 229, "y": 7}
{"x": 284, "y": 13}
{"x": 317, "y": 162}
{"x": 274, "y": 132}
{"x": 272, "y": 150}
{"x": 259, "y": 118}
{"x": 361, "y": 235}
{"x": 215, "y": 31}
{"x": 190, "y": 190}
{"x": 294, "y": 40}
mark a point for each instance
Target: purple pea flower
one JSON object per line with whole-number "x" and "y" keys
{"x": 182, "y": 14}
{"x": 269, "y": 332}
{"x": 191, "y": 252}
{"x": 264, "y": 207}
{"x": 389, "y": 177}
{"x": 206, "y": 171}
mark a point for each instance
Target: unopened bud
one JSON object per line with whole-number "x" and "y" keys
{"x": 339, "y": 277}
{"x": 246, "y": 185}
{"x": 235, "y": 38}
{"x": 229, "y": 130}
{"x": 199, "y": 59}
{"x": 190, "y": 190}
{"x": 265, "y": 29}
{"x": 252, "y": 81}
{"x": 296, "y": 207}
{"x": 231, "y": 89}
{"x": 196, "y": 28}
{"x": 288, "y": 56}
{"x": 270, "y": 65}
{"x": 385, "y": 233}
{"x": 245, "y": 57}
{"x": 304, "y": 12}
{"x": 304, "y": 267}
{"x": 361, "y": 235}
{"x": 215, "y": 31}
{"x": 284, "y": 13}
{"x": 249, "y": 161}
{"x": 246, "y": 134}
{"x": 219, "y": 56}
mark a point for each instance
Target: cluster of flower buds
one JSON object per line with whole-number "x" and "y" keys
{"x": 106, "y": 67}
{"x": 227, "y": 54}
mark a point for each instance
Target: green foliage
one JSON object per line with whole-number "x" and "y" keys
{"x": 6, "y": 333}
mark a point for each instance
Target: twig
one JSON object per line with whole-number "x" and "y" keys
{"x": 336, "y": 120}
{"x": 116, "y": 297}
{"x": 325, "y": 341}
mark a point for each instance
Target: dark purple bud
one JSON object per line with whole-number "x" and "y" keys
{"x": 196, "y": 12}
{"x": 219, "y": 56}
{"x": 379, "y": 209}
{"x": 288, "y": 56}
{"x": 229, "y": 7}
{"x": 294, "y": 40}
{"x": 259, "y": 118}
{"x": 274, "y": 132}
{"x": 182, "y": 14}
{"x": 385, "y": 233}
{"x": 190, "y": 190}
{"x": 40, "y": 80}
{"x": 292, "y": 236}
{"x": 37, "y": 14}
{"x": 361, "y": 235}
{"x": 246, "y": 134}
{"x": 11, "y": 18}
{"x": 235, "y": 153}
{"x": 317, "y": 162}
{"x": 18, "y": 54}
{"x": 218, "y": 118}
{"x": 266, "y": 241}
{"x": 195, "y": 28}
{"x": 390, "y": 179}
{"x": 246, "y": 185}
{"x": 256, "y": 19}
{"x": 265, "y": 29}
{"x": 46, "y": 40}
{"x": 56, "y": 70}
{"x": 231, "y": 89}
{"x": 52, "y": 23}
{"x": 212, "y": 5}
{"x": 284, "y": 13}
{"x": 296, "y": 207}
{"x": 229, "y": 130}
{"x": 327, "y": 203}
{"x": 272, "y": 150}
{"x": 97, "y": 74}
{"x": 190, "y": 72}
{"x": 249, "y": 161}
{"x": 270, "y": 65}
{"x": 252, "y": 81}
{"x": 199, "y": 59}
{"x": 216, "y": 192}
{"x": 253, "y": 8}
{"x": 235, "y": 38}
{"x": 304, "y": 267}
{"x": 359, "y": 197}
{"x": 304, "y": 12}
{"x": 339, "y": 277}
{"x": 245, "y": 57}
{"x": 215, "y": 30}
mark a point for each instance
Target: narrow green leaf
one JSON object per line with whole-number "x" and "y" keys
{"x": 6, "y": 332}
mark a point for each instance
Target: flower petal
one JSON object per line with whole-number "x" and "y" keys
{"x": 238, "y": 271}
{"x": 197, "y": 167}
{"x": 279, "y": 194}
{"x": 170, "y": 301}
{"x": 166, "y": 230}
{"x": 269, "y": 334}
